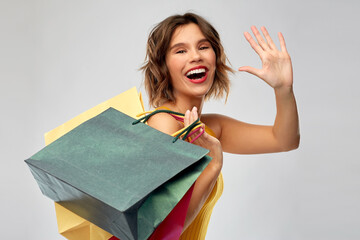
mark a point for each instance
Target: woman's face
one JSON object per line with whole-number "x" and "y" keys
{"x": 191, "y": 62}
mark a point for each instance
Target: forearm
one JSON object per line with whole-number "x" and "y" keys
{"x": 286, "y": 126}
{"x": 202, "y": 189}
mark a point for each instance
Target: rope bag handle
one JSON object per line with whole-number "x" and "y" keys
{"x": 185, "y": 132}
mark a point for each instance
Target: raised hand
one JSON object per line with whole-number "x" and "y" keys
{"x": 276, "y": 64}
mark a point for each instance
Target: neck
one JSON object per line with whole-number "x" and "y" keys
{"x": 182, "y": 104}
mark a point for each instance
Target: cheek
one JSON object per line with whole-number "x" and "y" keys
{"x": 172, "y": 65}
{"x": 213, "y": 57}
{"x": 172, "y": 70}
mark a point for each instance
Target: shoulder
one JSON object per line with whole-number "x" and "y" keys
{"x": 223, "y": 125}
{"x": 164, "y": 123}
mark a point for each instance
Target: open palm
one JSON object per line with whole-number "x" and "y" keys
{"x": 276, "y": 64}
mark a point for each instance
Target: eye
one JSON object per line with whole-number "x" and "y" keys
{"x": 204, "y": 47}
{"x": 180, "y": 51}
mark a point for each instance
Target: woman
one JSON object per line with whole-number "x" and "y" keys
{"x": 185, "y": 66}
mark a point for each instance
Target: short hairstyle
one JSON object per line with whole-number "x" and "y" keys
{"x": 157, "y": 77}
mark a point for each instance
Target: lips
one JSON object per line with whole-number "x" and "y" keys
{"x": 197, "y": 74}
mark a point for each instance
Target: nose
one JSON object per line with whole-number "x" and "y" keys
{"x": 195, "y": 56}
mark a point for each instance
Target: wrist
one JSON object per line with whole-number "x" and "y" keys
{"x": 216, "y": 165}
{"x": 284, "y": 90}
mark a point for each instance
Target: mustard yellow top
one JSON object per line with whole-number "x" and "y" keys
{"x": 198, "y": 228}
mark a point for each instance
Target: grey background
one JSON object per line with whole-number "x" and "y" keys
{"x": 60, "y": 58}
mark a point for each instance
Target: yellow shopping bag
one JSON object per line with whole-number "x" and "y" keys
{"x": 70, "y": 225}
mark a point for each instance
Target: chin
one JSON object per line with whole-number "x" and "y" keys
{"x": 200, "y": 93}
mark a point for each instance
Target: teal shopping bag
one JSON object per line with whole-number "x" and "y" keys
{"x": 122, "y": 177}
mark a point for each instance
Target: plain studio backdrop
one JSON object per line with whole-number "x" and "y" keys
{"x": 60, "y": 58}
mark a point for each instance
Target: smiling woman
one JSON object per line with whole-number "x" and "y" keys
{"x": 161, "y": 44}
{"x": 191, "y": 62}
{"x": 185, "y": 66}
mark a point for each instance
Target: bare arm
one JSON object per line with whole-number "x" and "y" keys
{"x": 243, "y": 138}
{"x": 286, "y": 127}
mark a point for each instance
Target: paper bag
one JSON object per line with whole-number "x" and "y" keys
{"x": 116, "y": 174}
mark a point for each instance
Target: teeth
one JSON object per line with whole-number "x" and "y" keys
{"x": 195, "y": 71}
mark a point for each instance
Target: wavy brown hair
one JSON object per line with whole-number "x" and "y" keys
{"x": 157, "y": 77}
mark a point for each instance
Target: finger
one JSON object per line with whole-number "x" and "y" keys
{"x": 282, "y": 42}
{"x": 268, "y": 38}
{"x": 198, "y": 136}
{"x": 253, "y": 43}
{"x": 187, "y": 118}
{"x": 191, "y": 116}
{"x": 194, "y": 114}
{"x": 251, "y": 70}
{"x": 259, "y": 38}
{"x": 204, "y": 133}
{"x": 205, "y": 140}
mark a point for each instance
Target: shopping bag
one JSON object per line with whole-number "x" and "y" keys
{"x": 129, "y": 102}
{"x": 74, "y": 227}
{"x": 172, "y": 226}
{"x": 129, "y": 201}
{"x": 71, "y": 225}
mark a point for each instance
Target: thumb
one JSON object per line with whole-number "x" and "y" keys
{"x": 251, "y": 70}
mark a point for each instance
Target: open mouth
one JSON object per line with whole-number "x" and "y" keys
{"x": 197, "y": 75}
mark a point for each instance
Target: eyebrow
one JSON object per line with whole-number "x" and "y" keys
{"x": 182, "y": 44}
